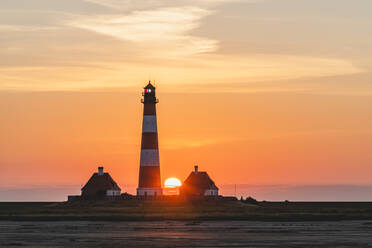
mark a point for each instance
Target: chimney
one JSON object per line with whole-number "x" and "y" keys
{"x": 100, "y": 171}
{"x": 196, "y": 169}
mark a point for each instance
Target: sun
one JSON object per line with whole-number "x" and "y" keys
{"x": 172, "y": 182}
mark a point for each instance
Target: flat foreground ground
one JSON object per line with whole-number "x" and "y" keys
{"x": 185, "y": 234}
{"x": 185, "y": 211}
{"x": 186, "y": 224}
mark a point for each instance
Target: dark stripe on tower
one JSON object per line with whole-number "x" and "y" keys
{"x": 149, "y": 109}
{"x": 149, "y": 177}
{"x": 149, "y": 141}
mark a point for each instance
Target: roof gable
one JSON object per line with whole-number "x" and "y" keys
{"x": 149, "y": 86}
{"x": 100, "y": 183}
{"x": 199, "y": 180}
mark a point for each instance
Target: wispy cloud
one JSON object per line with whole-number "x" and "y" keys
{"x": 148, "y": 4}
{"x": 259, "y": 73}
{"x": 163, "y": 30}
{"x": 160, "y": 24}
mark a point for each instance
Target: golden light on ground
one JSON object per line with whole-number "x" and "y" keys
{"x": 172, "y": 182}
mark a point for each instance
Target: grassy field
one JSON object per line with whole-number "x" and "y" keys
{"x": 133, "y": 210}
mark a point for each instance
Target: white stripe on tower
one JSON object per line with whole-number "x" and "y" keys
{"x": 149, "y": 157}
{"x": 149, "y": 124}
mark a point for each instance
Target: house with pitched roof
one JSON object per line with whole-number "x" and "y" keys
{"x": 100, "y": 185}
{"x": 198, "y": 183}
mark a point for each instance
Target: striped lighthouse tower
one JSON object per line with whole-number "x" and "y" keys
{"x": 149, "y": 183}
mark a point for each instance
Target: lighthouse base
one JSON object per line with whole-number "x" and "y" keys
{"x": 149, "y": 192}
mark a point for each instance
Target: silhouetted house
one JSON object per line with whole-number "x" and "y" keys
{"x": 199, "y": 184}
{"x": 100, "y": 185}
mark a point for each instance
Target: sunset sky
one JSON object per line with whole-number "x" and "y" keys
{"x": 253, "y": 91}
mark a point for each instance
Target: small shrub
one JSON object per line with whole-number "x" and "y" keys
{"x": 249, "y": 200}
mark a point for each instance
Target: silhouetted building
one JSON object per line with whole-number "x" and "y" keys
{"x": 149, "y": 183}
{"x": 100, "y": 185}
{"x": 199, "y": 184}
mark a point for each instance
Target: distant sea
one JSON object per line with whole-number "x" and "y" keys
{"x": 259, "y": 192}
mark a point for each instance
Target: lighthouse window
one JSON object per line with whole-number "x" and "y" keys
{"x": 147, "y": 90}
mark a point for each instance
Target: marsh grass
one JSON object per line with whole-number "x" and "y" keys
{"x": 135, "y": 210}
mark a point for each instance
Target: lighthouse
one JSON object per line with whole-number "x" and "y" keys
{"x": 149, "y": 183}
